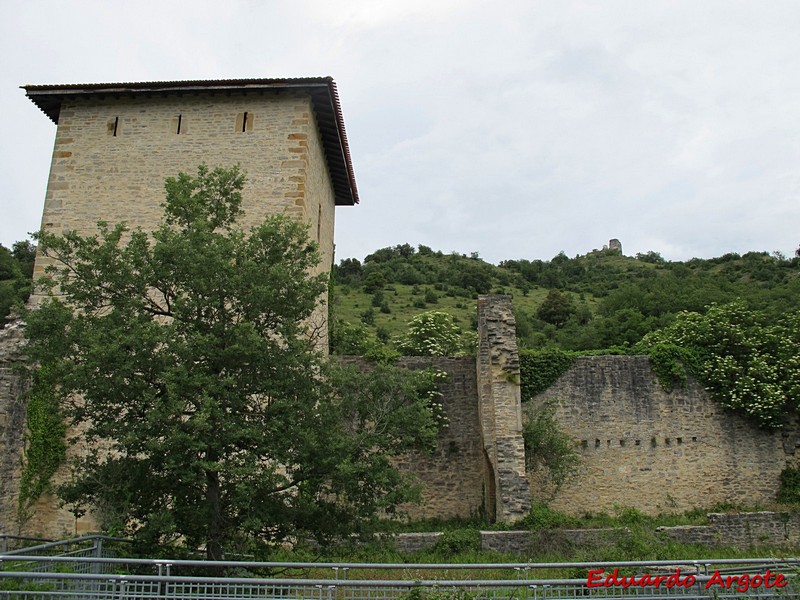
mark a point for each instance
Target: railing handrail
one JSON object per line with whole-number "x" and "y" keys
{"x": 8, "y": 536}
{"x": 68, "y": 542}
{"x": 441, "y": 583}
{"x": 697, "y": 563}
{"x": 97, "y": 585}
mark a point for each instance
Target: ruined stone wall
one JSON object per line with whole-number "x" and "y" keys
{"x": 12, "y": 424}
{"x": 453, "y": 475}
{"x": 507, "y": 496}
{"x": 479, "y": 462}
{"x": 740, "y": 530}
{"x": 640, "y": 446}
{"x": 732, "y": 530}
{"x": 655, "y": 451}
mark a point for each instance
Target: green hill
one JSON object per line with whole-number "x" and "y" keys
{"x": 593, "y": 301}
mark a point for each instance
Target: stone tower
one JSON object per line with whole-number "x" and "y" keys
{"x": 117, "y": 143}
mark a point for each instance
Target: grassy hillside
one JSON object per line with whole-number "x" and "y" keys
{"x": 599, "y": 300}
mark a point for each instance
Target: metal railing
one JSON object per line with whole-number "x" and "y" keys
{"x": 10, "y": 543}
{"x": 28, "y": 576}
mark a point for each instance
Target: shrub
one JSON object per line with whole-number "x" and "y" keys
{"x": 789, "y": 492}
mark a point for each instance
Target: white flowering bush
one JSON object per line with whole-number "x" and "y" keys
{"x": 434, "y": 379}
{"x": 431, "y": 333}
{"x": 745, "y": 361}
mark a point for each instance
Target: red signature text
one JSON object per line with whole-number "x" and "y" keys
{"x": 740, "y": 583}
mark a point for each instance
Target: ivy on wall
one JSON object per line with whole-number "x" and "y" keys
{"x": 539, "y": 369}
{"x": 672, "y": 365}
{"x": 789, "y": 492}
{"x": 45, "y": 446}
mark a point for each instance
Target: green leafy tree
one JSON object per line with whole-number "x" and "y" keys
{"x": 746, "y": 361}
{"x": 207, "y": 415}
{"x": 556, "y": 308}
{"x": 548, "y": 450}
{"x": 25, "y": 253}
{"x": 16, "y": 267}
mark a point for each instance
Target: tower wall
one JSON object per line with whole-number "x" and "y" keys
{"x": 112, "y": 155}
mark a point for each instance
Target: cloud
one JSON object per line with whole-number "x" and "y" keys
{"x": 515, "y": 129}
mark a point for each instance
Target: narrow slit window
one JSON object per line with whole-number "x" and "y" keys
{"x": 113, "y": 127}
{"x": 178, "y": 124}
{"x": 244, "y": 122}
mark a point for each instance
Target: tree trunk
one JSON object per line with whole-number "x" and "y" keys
{"x": 214, "y": 550}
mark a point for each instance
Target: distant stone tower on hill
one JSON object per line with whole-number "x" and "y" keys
{"x": 117, "y": 143}
{"x": 615, "y": 244}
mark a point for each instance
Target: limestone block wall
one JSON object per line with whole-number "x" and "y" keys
{"x": 740, "y": 530}
{"x": 12, "y": 422}
{"x": 45, "y": 518}
{"x": 530, "y": 543}
{"x": 655, "y": 451}
{"x": 507, "y": 495}
{"x": 112, "y": 155}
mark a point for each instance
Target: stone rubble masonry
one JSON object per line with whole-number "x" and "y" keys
{"x": 12, "y": 422}
{"x": 733, "y": 530}
{"x": 655, "y": 451}
{"x": 507, "y": 493}
{"x": 527, "y": 543}
{"x": 112, "y": 155}
{"x": 452, "y": 477}
{"x": 414, "y": 542}
{"x": 518, "y": 543}
{"x": 740, "y": 530}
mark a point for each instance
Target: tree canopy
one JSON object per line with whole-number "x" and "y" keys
{"x": 206, "y": 413}
{"x": 747, "y": 361}
{"x": 600, "y": 300}
{"x": 16, "y": 270}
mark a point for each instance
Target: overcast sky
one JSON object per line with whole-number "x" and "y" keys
{"x": 511, "y": 129}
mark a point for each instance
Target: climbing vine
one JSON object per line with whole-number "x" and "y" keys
{"x": 45, "y": 446}
{"x": 789, "y": 492}
{"x": 672, "y": 365}
{"x": 539, "y": 369}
